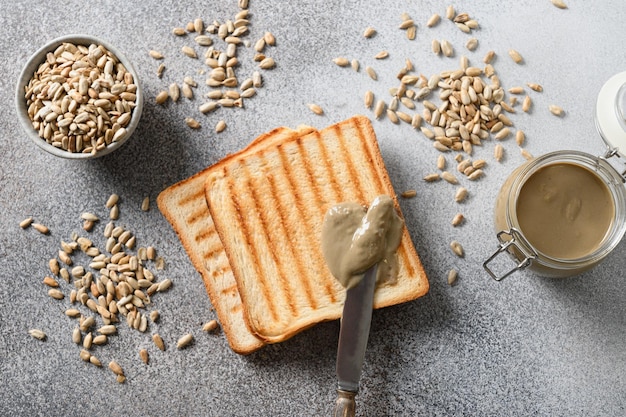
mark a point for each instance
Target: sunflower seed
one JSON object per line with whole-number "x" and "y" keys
{"x": 107, "y": 329}
{"x": 489, "y": 57}
{"x": 559, "y": 3}
{"x": 101, "y": 339}
{"x": 76, "y": 336}
{"x": 156, "y": 54}
{"x": 381, "y": 55}
{"x": 267, "y": 63}
{"x": 56, "y": 294}
{"x": 432, "y": 177}
{"x": 379, "y": 109}
{"x": 161, "y": 97}
{"x": 502, "y": 134}
{"x": 37, "y": 334}
{"x": 436, "y": 46}
{"x": 145, "y": 204}
{"x": 84, "y": 355}
{"x": 210, "y": 326}
{"x": 26, "y": 222}
{"x": 457, "y": 248}
{"x": 116, "y": 368}
{"x": 556, "y": 110}
{"x": 446, "y": 48}
{"x": 341, "y": 61}
{"x": 372, "y": 74}
{"x": 369, "y": 32}
{"x": 452, "y": 276}
{"x": 184, "y": 341}
{"x": 461, "y": 194}
{"x": 220, "y": 126}
{"x": 192, "y": 123}
{"x": 111, "y": 201}
{"x": 316, "y": 109}
{"x": 433, "y": 20}
{"x": 450, "y": 12}
{"x": 535, "y": 87}
{"x": 179, "y": 31}
{"x": 526, "y": 154}
{"x": 449, "y": 177}
{"x": 520, "y": 137}
{"x": 457, "y": 219}
{"x": 408, "y": 194}
{"x": 472, "y": 44}
{"x": 40, "y": 228}
{"x": 158, "y": 341}
{"x": 475, "y": 174}
{"x": 87, "y": 340}
{"x": 368, "y": 99}
{"x": 189, "y": 52}
{"x": 143, "y": 354}
{"x": 406, "y": 23}
{"x": 526, "y": 104}
{"x": 515, "y": 56}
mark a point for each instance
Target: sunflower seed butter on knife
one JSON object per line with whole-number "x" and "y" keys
{"x": 359, "y": 246}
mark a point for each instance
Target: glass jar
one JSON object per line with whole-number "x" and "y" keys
{"x": 564, "y": 248}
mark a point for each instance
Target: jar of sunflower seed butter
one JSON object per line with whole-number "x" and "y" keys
{"x": 562, "y": 213}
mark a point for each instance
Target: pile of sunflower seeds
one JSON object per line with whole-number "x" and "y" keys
{"x": 81, "y": 98}
{"x": 460, "y": 108}
{"x": 116, "y": 284}
{"x": 227, "y": 88}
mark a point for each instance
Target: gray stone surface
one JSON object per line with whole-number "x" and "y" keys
{"x": 525, "y": 346}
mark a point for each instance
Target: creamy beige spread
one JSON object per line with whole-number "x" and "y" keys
{"x": 565, "y": 210}
{"x": 355, "y": 238}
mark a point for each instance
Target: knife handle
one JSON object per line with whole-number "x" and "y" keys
{"x": 345, "y": 405}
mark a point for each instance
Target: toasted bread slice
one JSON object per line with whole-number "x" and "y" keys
{"x": 184, "y": 206}
{"x": 268, "y": 207}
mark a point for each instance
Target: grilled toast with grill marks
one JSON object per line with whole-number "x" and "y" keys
{"x": 268, "y": 206}
{"x": 184, "y": 206}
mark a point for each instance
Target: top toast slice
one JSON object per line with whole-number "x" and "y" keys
{"x": 184, "y": 206}
{"x": 268, "y": 207}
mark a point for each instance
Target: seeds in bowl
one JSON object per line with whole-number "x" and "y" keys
{"x": 81, "y": 98}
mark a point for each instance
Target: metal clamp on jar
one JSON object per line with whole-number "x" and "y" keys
{"x": 562, "y": 213}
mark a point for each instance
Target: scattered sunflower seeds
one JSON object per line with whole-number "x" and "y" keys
{"x": 184, "y": 341}
{"x": 515, "y": 56}
{"x": 316, "y": 109}
{"x": 556, "y": 110}
{"x": 210, "y": 326}
{"x": 37, "y": 334}
{"x": 457, "y": 248}
{"x": 452, "y": 277}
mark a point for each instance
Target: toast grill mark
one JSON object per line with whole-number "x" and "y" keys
{"x": 306, "y": 212}
{"x": 248, "y": 243}
{"x": 290, "y": 236}
{"x": 328, "y": 166}
{"x": 198, "y": 215}
{"x": 345, "y": 155}
{"x": 257, "y": 190}
{"x": 319, "y": 197}
{"x": 198, "y": 195}
{"x": 402, "y": 250}
{"x": 205, "y": 234}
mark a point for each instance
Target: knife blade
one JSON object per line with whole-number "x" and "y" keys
{"x": 353, "y": 335}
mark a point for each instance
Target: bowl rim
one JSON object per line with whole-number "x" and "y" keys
{"x": 37, "y": 58}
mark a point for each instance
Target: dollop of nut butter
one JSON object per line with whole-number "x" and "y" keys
{"x": 565, "y": 210}
{"x": 355, "y": 238}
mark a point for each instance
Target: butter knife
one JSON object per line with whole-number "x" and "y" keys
{"x": 353, "y": 335}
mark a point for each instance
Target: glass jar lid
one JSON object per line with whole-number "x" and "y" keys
{"x": 611, "y": 113}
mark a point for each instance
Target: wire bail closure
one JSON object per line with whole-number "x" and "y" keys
{"x": 505, "y": 245}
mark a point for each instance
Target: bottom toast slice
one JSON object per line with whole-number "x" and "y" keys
{"x": 184, "y": 206}
{"x": 268, "y": 207}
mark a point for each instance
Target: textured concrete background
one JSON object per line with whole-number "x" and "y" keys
{"x": 525, "y": 346}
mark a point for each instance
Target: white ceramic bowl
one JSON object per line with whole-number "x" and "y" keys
{"x": 31, "y": 66}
